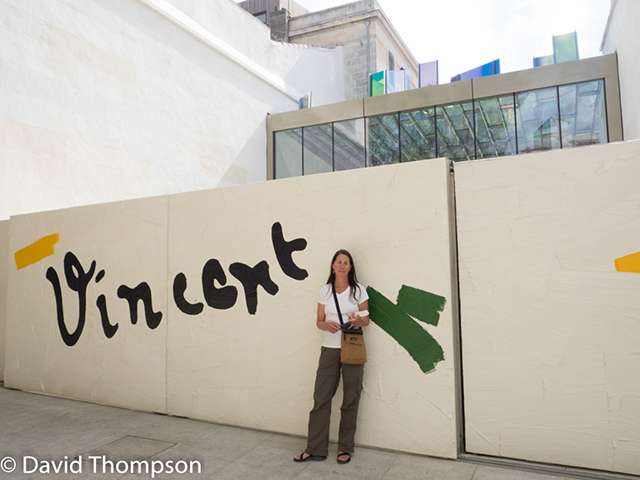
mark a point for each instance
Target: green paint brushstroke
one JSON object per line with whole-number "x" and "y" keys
{"x": 421, "y": 305}
{"x": 422, "y": 347}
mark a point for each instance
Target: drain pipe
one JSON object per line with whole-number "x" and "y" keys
{"x": 367, "y": 23}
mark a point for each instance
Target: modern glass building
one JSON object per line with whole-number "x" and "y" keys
{"x": 564, "y": 105}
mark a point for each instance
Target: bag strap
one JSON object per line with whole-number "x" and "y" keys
{"x": 335, "y": 298}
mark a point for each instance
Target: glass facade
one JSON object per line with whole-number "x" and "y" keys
{"x": 495, "y": 127}
{"x": 583, "y": 111}
{"x": 418, "y": 135}
{"x": 566, "y": 116}
{"x": 288, "y": 153}
{"x": 537, "y": 120}
{"x": 456, "y": 131}
{"x": 383, "y": 140}
{"x": 320, "y": 149}
{"x": 317, "y": 152}
{"x": 348, "y": 146}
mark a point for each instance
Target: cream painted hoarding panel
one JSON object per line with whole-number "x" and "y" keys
{"x": 256, "y": 368}
{"x": 113, "y": 361}
{"x": 4, "y": 265}
{"x": 550, "y": 306}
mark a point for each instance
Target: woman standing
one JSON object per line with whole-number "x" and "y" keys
{"x": 352, "y": 297}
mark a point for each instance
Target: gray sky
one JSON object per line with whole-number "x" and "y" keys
{"x": 463, "y": 34}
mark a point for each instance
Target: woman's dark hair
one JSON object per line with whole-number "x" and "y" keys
{"x": 353, "y": 279}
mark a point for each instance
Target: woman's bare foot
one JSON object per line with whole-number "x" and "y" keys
{"x": 304, "y": 457}
{"x": 344, "y": 457}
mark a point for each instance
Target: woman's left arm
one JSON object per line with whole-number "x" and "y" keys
{"x": 360, "y": 321}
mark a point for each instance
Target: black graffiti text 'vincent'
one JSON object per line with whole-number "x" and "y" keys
{"x": 220, "y": 297}
{"x": 225, "y": 296}
{"x": 78, "y": 280}
{"x": 284, "y": 250}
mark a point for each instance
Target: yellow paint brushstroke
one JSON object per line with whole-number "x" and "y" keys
{"x": 629, "y": 263}
{"x": 36, "y": 251}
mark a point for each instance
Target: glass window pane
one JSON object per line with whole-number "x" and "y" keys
{"x": 495, "y": 127}
{"x": 383, "y": 146}
{"x": 349, "y": 144}
{"x": 288, "y": 153}
{"x": 583, "y": 114}
{"x": 455, "y": 131}
{"x": 418, "y": 135}
{"x": 537, "y": 120}
{"x": 318, "y": 149}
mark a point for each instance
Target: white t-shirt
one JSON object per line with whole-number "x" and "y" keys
{"x": 347, "y": 307}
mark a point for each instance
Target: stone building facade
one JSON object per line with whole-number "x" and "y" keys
{"x": 346, "y": 26}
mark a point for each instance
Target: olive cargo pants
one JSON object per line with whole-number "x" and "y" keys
{"x": 327, "y": 380}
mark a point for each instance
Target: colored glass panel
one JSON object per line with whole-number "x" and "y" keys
{"x": 305, "y": 102}
{"x": 428, "y": 74}
{"x": 491, "y": 68}
{"x": 378, "y": 86}
{"x": 565, "y": 47}
{"x": 542, "y": 61}
{"x": 397, "y": 81}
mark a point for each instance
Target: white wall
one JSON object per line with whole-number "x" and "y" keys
{"x": 621, "y": 36}
{"x": 228, "y": 365}
{"x": 4, "y": 266}
{"x": 299, "y": 67}
{"x": 105, "y": 100}
{"x": 550, "y": 329}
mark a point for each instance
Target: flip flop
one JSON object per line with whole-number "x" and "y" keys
{"x": 343, "y": 462}
{"x": 313, "y": 458}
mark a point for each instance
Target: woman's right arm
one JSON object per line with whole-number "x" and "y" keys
{"x": 322, "y": 324}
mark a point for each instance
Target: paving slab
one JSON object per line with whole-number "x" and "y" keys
{"x": 54, "y": 430}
